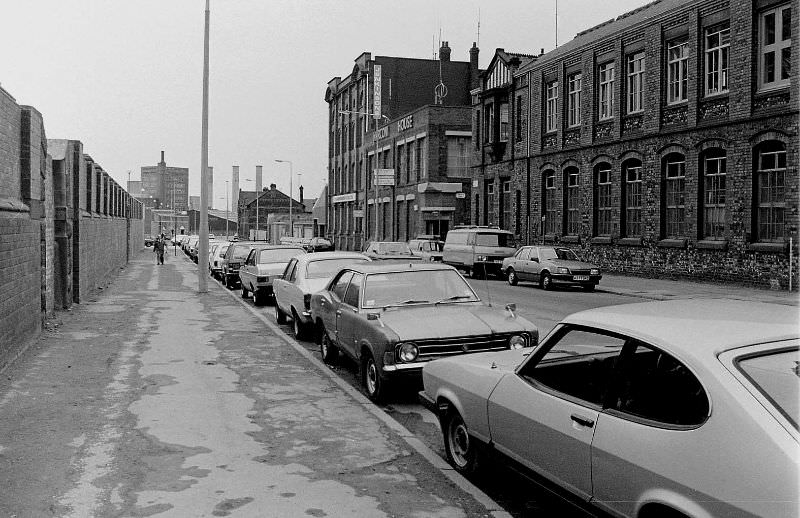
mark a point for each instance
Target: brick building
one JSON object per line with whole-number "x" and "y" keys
{"x": 165, "y": 187}
{"x": 255, "y": 208}
{"x": 414, "y": 144}
{"x": 663, "y": 142}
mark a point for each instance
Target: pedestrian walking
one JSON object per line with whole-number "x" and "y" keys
{"x": 159, "y": 247}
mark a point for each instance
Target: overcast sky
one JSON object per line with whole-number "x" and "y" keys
{"x": 125, "y": 77}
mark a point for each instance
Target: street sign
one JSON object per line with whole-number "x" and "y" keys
{"x": 376, "y": 81}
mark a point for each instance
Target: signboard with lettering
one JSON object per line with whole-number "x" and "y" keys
{"x": 376, "y": 107}
{"x": 382, "y": 132}
{"x": 358, "y": 213}
{"x": 384, "y": 177}
{"x": 405, "y": 123}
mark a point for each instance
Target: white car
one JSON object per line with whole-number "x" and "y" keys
{"x": 264, "y": 263}
{"x": 305, "y": 275}
{"x": 215, "y": 255}
{"x": 682, "y": 408}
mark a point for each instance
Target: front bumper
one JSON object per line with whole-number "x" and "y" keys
{"x": 489, "y": 267}
{"x": 427, "y": 402}
{"x": 569, "y": 278}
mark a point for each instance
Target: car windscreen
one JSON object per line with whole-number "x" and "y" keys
{"x": 416, "y": 287}
{"x": 224, "y": 249}
{"x": 432, "y": 246}
{"x": 240, "y": 253}
{"x": 495, "y": 239}
{"x": 278, "y": 255}
{"x": 327, "y": 267}
{"x": 566, "y": 254}
{"x": 777, "y": 375}
{"x": 393, "y": 248}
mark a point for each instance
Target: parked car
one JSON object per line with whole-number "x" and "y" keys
{"x": 234, "y": 257}
{"x": 264, "y": 263}
{"x": 304, "y": 276}
{"x": 478, "y": 250}
{"x": 149, "y": 240}
{"x": 216, "y": 257}
{"x": 319, "y": 244}
{"x": 675, "y": 408}
{"x": 428, "y": 249}
{"x": 550, "y": 265}
{"x": 389, "y": 251}
{"x": 192, "y": 247}
{"x": 392, "y": 318}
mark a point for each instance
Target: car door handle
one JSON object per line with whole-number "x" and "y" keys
{"x": 583, "y": 421}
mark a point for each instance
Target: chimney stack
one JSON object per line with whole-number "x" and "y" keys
{"x": 444, "y": 52}
{"x": 473, "y": 67}
{"x": 235, "y": 189}
{"x": 301, "y": 194}
{"x": 541, "y": 51}
{"x": 162, "y": 157}
{"x": 272, "y": 187}
{"x": 259, "y": 170}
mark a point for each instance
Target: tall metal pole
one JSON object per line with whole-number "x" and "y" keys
{"x": 202, "y": 266}
{"x": 291, "y": 228}
{"x": 258, "y": 195}
{"x": 227, "y": 217}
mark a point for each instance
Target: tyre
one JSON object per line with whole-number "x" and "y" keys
{"x": 477, "y": 272}
{"x": 460, "y": 448}
{"x": 511, "y": 275}
{"x": 245, "y": 293}
{"x": 371, "y": 378}
{"x": 327, "y": 349}
{"x": 229, "y": 282}
{"x": 297, "y": 326}
{"x": 260, "y": 298}
{"x": 545, "y": 281}
{"x": 588, "y": 287}
{"x": 280, "y": 316}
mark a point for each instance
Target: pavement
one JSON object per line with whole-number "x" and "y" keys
{"x": 157, "y": 400}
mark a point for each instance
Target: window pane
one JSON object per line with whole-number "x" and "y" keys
{"x": 774, "y": 374}
{"x": 769, "y": 29}
{"x": 769, "y": 67}
{"x": 786, "y": 62}
{"x": 786, "y": 24}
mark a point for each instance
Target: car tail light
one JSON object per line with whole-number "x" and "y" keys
{"x": 307, "y": 301}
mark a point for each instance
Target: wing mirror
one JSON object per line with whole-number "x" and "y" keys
{"x": 373, "y": 316}
{"x": 512, "y": 308}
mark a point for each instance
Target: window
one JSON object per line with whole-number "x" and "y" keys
{"x": 519, "y": 119}
{"x": 713, "y": 194}
{"x": 422, "y": 163}
{"x": 770, "y": 191}
{"x": 353, "y": 291}
{"x": 489, "y": 202}
{"x": 602, "y": 199}
{"x": 518, "y": 220}
{"x": 551, "y": 121}
{"x": 606, "y": 93}
{"x": 488, "y": 123}
{"x": 632, "y": 198}
{"x": 413, "y": 162}
{"x": 505, "y": 204}
{"x": 458, "y": 158}
{"x": 400, "y": 153}
{"x": 549, "y": 202}
{"x": 636, "y": 82}
{"x": 339, "y": 286}
{"x": 477, "y": 126}
{"x": 572, "y": 207}
{"x": 775, "y": 47}
{"x": 504, "y": 125}
{"x": 674, "y": 193}
{"x": 577, "y": 363}
{"x": 574, "y": 100}
{"x": 718, "y": 42}
{"x": 653, "y": 385}
{"x": 677, "y": 71}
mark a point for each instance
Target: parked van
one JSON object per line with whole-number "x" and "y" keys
{"x": 478, "y": 250}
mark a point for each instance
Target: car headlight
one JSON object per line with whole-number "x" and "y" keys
{"x": 517, "y": 342}
{"x": 481, "y": 258}
{"x": 594, "y": 271}
{"x": 407, "y": 351}
{"x": 563, "y": 270}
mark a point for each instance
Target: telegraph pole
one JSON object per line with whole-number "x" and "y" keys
{"x": 202, "y": 249}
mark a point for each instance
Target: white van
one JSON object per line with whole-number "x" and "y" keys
{"x": 478, "y": 250}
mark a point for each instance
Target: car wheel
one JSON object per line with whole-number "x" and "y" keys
{"x": 260, "y": 298}
{"x": 588, "y": 287}
{"x": 546, "y": 282}
{"x": 280, "y": 316}
{"x": 371, "y": 378}
{"x": 297, "y": 326}
{"x": 245, "y": 293}
{"x": 328, "y": 351}
{"x": 512, "y": 277}
{"x": 229, "y": 282}
{"x": 460, "y": 448}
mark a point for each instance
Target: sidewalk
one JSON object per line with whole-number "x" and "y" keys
{"x": 665, "y": 289}
{"x": 158, "y": 400}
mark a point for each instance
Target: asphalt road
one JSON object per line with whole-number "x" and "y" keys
{"x": 518, "y": 497}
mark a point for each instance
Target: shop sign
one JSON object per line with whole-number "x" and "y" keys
{"x": 405, "y": 123}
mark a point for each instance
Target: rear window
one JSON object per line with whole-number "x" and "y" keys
{"x": 776, "y": 375}
{"x": 457, "y": 238}
{"x": 278, "y": 255}
{"x": 240, "y": 253}
{"x": 491, "y": 239}
{"x": 327, "y": 267}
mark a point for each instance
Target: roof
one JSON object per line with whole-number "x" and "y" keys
{"x": 607, "y": 29}
{"x": 322, "y": 256}
{"x": 397, "y": 266}
{"x": 700, "y": 328}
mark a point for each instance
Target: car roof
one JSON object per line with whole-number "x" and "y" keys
{"x": 396, "y": 266}
{"x": 321, "y": 256}
{"x": 701, "y": 328}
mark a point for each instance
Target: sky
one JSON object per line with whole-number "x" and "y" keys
{"x": 125, "y": 77}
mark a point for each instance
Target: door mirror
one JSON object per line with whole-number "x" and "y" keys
{"x": 373, "y": 316}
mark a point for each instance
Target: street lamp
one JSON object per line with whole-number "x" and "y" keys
{"x": 375, "y": 174}
{"x": 258, "y": 195}
{"x": 291, "y": 229}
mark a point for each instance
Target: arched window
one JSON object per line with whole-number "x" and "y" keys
{"x": 673, "y": 196}
{"x": 632, "y": 198}
{"x": 712, "y": 191}
{"x": 572, "y": 201}
{"x": 602, "y": 199}
{"x": 770, "y": 192}
{"x": 549, "y": 211}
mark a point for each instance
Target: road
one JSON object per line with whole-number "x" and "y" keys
{"x": 545, "y": 308}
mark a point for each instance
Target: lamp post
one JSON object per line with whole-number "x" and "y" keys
{"x": 375, "y": 175}
{"x": 291, "y": 230}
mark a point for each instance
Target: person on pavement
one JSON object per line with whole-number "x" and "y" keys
{"x": 159, "y": 248}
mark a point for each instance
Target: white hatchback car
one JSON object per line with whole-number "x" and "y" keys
{"x": 682, "y": 408}
{"x": 305, "y": 275}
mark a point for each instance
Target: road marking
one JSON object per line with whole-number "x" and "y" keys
{"x": 437, "y": 462}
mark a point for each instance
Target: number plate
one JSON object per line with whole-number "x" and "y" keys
{"x": 580, "y": 277}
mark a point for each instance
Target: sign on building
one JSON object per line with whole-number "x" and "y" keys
{"x": 384, "y": 177}
{"x": 376, "y": 81}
